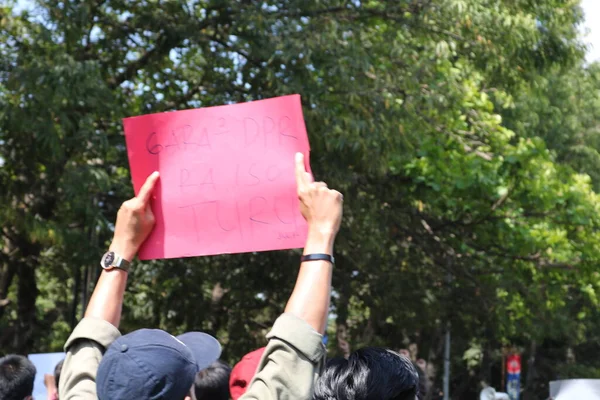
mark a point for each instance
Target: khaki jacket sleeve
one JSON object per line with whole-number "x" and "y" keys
{"x": 85, "y": 348}
{"x": 291, "y": 363}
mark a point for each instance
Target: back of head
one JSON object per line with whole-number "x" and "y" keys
{"x": 57, "y": 371}
{"x": 212, "y": 383}
{"x": 17, "y": 374}
{"x": 369, "y": 373}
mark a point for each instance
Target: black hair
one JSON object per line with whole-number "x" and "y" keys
{"x": 369, "y": 373}
{"x": 17, "y": 374}
{"x": 212, "y": 383}
{"x": 57, "y": 371}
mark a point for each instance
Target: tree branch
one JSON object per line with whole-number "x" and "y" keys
{"x": 256, "y": 62}
{"x": 314, "y": 13}
{"x": 160, "y": 49}
{"x": 165, "y": 43}
{"x": 192, "y": 91}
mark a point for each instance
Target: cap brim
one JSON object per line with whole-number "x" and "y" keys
{"x": 205, "y": 348}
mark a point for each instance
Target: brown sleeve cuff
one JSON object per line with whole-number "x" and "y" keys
{"x": 98, "y": 330}
{"x": 297, "y": 333}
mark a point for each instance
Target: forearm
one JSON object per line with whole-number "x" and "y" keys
{"x": 310, "y": 298}
{"x": 107, "y": 300}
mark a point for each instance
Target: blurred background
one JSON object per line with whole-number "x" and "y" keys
{"x": 464, "y": 134}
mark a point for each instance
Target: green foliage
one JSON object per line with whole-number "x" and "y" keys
{"x": 464, "y": 135}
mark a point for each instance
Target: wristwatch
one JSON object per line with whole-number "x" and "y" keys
{"x": 112, "y": 260}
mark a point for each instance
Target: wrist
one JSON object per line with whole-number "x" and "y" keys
{"x": 322, "y": 233}
{"x": 124, "y": 249}
{"x": 319, "y": 242}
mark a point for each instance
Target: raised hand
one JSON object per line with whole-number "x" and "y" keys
{"x": 135, "y": 221}
{"x": 322, "y": 209}
{"x": 319, "y": 205}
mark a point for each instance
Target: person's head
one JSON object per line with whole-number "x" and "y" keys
{"x": 243, "y": 372}
{"x": 152, "y": 364}
{"x": 17, "y": 374}
{"x": 57, "y": 371}
{"x": 212, "y": 383}
{"x": 369, "y": 373}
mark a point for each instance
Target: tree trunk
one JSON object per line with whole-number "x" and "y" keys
{"x": 20, "y": 263}
{"x": 529, "y": 390}
{"x": 26, "y": 314}
{"x": 341, "y": 333}
{"x": 75, "y": 304}
{"x": 7, "y": 273}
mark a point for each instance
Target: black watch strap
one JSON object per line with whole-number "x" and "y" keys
{"x": 318, "y": 257}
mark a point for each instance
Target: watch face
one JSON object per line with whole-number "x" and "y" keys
{"x": 108, "y": 259}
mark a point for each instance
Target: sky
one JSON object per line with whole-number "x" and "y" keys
{"x": 592, "y": 25}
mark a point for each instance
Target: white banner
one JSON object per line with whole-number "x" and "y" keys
{"x": 44, "y": 364}
{"x": 588, "y": 389}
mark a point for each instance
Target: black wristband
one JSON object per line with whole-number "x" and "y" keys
{"x": 318, "y": 257}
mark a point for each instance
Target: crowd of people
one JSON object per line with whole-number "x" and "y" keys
{"x": 100, "y": 363}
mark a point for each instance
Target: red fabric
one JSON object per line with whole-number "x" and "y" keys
{"x": 513, "y": 364}
{"x": 243, "y": 372}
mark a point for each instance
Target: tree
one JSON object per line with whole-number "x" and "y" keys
{"x": 460, "y": 205}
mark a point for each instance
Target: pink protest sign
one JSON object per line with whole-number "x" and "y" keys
{"x": 227, "y": 182}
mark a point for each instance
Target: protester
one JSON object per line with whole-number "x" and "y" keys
{"x": 17, "y": 374}
{"x": 51, "y": 387}
{"x": 294, "y": 356}
{"x": 151, "y": 364}
{"x": 420, "y": 366}
{"x": 147, "y": 363}
{"x": 424, "y": 381}
{"x": 51, "y": 382}
{"x": 243, "y": 372}
{"x": 212, "y": 383}
{"x": 369, "y": 373}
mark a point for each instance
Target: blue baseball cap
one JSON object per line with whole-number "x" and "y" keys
{"x": 151, "y": 364}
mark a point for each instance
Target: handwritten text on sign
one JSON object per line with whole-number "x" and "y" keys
{"x": 227, "y": 182}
